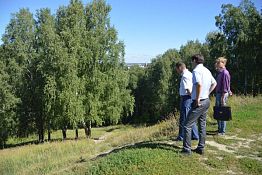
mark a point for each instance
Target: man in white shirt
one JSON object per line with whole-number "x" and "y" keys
{"x": 185, "y": 102}
{"x": 203, "y": 84}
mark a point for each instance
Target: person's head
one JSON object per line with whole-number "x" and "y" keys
{"x": 220, "y": 63}
{"x": 197, "y": 59}
{"x": 180, "y": 67}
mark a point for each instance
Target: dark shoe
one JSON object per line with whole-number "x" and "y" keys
{"x": 185, "y": 152}
{"x": 194, "y": 138}
{"x": 178, "y": 139}
{"x": 199, "y": 151}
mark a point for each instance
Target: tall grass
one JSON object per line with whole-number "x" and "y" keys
{"x": 58, "y": 156}
{"x": 161, "y": 130}
{"x": 41, "y": 159}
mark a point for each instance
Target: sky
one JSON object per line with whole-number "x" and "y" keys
{"x": 147, "y": 27}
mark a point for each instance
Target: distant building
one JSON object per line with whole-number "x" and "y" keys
{"x": 143, "y": 65}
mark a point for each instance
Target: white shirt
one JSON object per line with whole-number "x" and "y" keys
{"x": 185, "y": 82}
{"x": 202, "y": 76}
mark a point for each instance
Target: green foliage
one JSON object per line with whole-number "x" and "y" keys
{"x": 103, "y": 72}
{"x": 137, "y": 84}
{"x": 191, "y": 48}
{"x": 159, "y": 78}
{"x": 155, "y": 89}
{"x": 70, "y": 97}
{"x": 242, "y": 28}
{"x": 67, "y": 68}
{"x": 18, "y": 55}
{"x": 8, "y": 102}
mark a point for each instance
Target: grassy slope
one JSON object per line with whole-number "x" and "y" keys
{"x": 153, "y": 152}
{"x": 159, "y": 158}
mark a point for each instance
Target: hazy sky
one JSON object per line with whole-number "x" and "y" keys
{"x": 147, "y": 27}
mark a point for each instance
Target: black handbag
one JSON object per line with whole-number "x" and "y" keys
{"x": 222, "y": 113}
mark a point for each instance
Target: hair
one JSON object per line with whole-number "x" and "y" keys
{"x": 180, "y": 64}
{"x": 221, "y": 59}
{"x": 198, "y": 58}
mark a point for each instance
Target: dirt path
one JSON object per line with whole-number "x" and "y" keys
{"x": 234, "y": 148}
{"x": 102, "y": 138}
{"x": 220, "y": 147}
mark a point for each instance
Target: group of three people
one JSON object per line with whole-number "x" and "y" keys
{"x": 195, "y": 89}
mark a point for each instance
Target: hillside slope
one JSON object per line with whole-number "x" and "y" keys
{"x": 129, "y": 149}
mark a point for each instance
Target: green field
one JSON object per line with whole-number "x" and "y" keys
{"x": 126, "y": 149}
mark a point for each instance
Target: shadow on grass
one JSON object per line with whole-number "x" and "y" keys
{"x": 20, "y": 144}
{"x": 212, "y": 123}
{"x": 36, "y": 142}
{"x": 139, "y": 145}
{"x": 112, "y": 129}
{"x": 212, "y": 133}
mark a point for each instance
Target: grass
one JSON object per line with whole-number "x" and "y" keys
{"x": 249, "y": 165}
{"x": 59, "y": 156}
{"x": 246, "y": 114}
{"x": 144, "y": 149}
{"x": 147, "y": 160}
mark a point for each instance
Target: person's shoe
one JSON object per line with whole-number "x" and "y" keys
{"x": 194, "y": 138}
{"x": 199, "y": 151}
{"x": 185, "y": 152}
{"x": 221, "y": 134}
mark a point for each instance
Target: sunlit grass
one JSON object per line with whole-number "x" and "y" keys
{"x": 58, "y": 156}
{"x": 146, "y": 160}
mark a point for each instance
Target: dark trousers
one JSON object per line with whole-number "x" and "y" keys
{"x": 185, "y": 106}
{"x": 196, "y": 114}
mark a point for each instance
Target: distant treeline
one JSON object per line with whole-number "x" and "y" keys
{"x": 67, "y": 70}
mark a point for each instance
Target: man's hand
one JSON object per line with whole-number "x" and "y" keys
{"x": 188, "y": 92}
{"x": 198, "y": 90}
{"x": 198, "y": 103}
{"x": 222, "y": 101}
{"x": 212, "y": 87}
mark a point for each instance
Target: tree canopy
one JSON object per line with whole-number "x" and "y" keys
{"x": 62, "y": 71}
